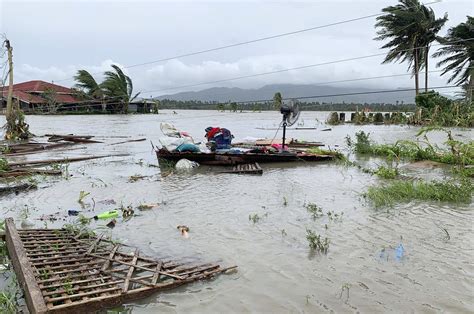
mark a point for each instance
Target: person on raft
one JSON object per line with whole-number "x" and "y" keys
{"x": 218, "y": 138}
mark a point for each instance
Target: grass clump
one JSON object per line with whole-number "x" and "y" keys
{"x": 386, "y": 172}
{"x": 9, "y": 297}
{"x": 256, "y": 218}
{"x": 314, "y": 210}
{"x": 405, "y": 191}
{"x": 316, "y": 242}
{"x": 458, "y": 153}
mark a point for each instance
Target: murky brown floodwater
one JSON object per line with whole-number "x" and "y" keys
{"x": 276, "y": 273}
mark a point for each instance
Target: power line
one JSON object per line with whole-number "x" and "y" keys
{"x": 291, "y": 69}
{"x": 319, "y": 83}
{"x": 345, "y": 94}
{"x": 291, "y": 98}
{"x": 251, "y": 41}
{"x": 353, "y": 80}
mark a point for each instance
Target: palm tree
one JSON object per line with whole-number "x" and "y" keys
{"x": 458, "y": 48}
{"x": 411, "y": 28}
{"x": 399, "y": 25}
{"x": 87, "y": 84}
{"x": 430, "y": 26}
{"x": 118, "y": 86}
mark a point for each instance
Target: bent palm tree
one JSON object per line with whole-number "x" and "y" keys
{"x": 429, "y": 28}
{"x": 87, "y": 84}
{"x": 458, "y": 48}
{"x": 400, "y": 25}
{"x": 118, "y": 86}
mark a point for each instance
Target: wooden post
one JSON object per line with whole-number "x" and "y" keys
{"x": 21, "y": 265}
{"x": 9, "y": 112}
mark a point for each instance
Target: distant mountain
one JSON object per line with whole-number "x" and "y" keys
{"x": 225, "y": 94}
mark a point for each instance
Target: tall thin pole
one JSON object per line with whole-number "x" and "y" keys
{"x": 284, "y": 133}
{"x": 9, "y": 112}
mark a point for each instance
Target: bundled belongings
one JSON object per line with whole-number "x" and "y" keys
{"x": 177, "y": 140}
{"x": 219, "y": 138}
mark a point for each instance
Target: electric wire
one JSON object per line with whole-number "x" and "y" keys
{"x": 290, "y": 98}
{"x": 252, "y": 41}
{"x": 292, "y": 69}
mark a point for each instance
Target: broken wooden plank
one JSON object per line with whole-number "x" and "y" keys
{"x": 111, "y": 257}
{"x": 71, "y": 138}
{"x": 62, "y": 160}
{"x": 136, "y": 266}
{"x": 17, "y": 188}
{"x": 129, "y": 141}
{"x": 25, "y": 274}
{"x": 93, "y": 246}
{"x": 130, "y": 271}
{"x": 246, "y": 169}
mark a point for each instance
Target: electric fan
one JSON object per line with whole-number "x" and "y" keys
{"x": 291, "y": 113}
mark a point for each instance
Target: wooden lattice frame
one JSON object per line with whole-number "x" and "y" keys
{"x": 60, "y": 272}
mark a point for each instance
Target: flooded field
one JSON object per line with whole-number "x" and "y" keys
{"x": 361, "y": 271}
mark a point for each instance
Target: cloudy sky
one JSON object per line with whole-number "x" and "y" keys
{"x": 53, "y": 39}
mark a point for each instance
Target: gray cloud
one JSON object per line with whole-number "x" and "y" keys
{"x": 53, "y": 39}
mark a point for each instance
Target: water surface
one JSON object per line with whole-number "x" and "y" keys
{"x": 277, "y": 272}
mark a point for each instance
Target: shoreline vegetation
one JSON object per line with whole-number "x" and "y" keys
{"x": 399, "y": 189}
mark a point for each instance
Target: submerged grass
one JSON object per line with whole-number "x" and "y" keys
{"x": 458, "y": 153}
{"x": 386, "y": 172}
{"x": 405, "y": 191}
{"x": 316, "y": 241}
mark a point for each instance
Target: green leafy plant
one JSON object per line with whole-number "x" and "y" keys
{"x": 387, "y": 172}
{"x": 254, "y": 218}
{"x": 314, "y": 210}
{"x": 3, "y": 165}
{"x": 316, "y": 242}
{"x": 333, "y": 216}
{"x": 68, "y": 288}
{"x": 459, "y": 153}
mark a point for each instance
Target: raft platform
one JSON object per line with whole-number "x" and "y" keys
{"x": 62, "y": 271}
{"x": 245, "y": 158}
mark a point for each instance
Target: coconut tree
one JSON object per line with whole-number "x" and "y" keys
{"x": 86, "y": 83}
{"x": 410, "y": 28}
{"x": 119, "y": 87}
{"x": 458, "y": 50}
{"x": 429, "y": 27}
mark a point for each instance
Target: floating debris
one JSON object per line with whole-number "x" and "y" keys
{"x": 61, "y": 271}
{"x": 253, "y": 168}
{"x": 184, "y": 230}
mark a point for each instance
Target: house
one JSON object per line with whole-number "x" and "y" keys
{"x": 41, "y": 96}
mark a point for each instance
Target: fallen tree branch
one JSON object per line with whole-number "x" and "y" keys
{"x": 59, "y": 161}
{"x": 129, "y": 141}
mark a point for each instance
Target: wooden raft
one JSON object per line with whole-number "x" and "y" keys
{"x": 246, "y": 168}
{"x": 63, "y": 273}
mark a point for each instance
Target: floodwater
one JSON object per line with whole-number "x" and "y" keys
{"x": 277, "y": 272}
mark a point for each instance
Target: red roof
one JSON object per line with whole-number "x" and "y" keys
{"x": 30, "y": 92}
{"x": 40, "y": 86}
{"x": 25, "y": 97}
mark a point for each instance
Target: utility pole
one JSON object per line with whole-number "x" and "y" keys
{"x": 9, "y": 113}
{"x": 16, "y": 127}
